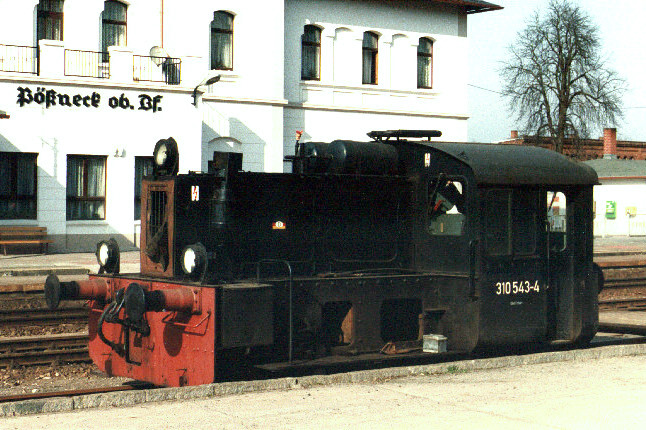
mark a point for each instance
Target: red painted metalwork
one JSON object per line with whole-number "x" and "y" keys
{"x": 180, "y": 349}
{"x": 181, "y": 299}
{"x": 96, "y": 288}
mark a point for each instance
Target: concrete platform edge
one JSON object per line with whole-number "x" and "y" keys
{"x": 129, "y": 398}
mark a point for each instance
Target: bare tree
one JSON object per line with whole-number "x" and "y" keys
{"x": 555, "y": 78}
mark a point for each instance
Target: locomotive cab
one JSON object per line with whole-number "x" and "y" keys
{"x": 516, "y": 222}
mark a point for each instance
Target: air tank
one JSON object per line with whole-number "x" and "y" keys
{"x": 362, "y": 158}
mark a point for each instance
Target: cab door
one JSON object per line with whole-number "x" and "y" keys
{"x": 513, "y": 289}
{"x": 566, "y": 261}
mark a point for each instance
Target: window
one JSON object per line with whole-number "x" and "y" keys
{"x": 50, "y": 20}
{"x": 525, "y": 221}
{"x": 370, "y": 51}
{"x": 17, "y": 185}
{"x": 311, "y": 53}
{"x": 85, "y": 187}
{"x": 114, "y": 25}
{"x": 222, "y": 41}
{"x": 143, "y": 167}
{"x": 425, "y": 63}
{"x": 497, "y": 222}
{"x": 446, "y": 207}
{"x": 557, "y": 219}
{"x": 511, "y": 221}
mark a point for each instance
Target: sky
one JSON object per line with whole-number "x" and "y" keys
{"x": 490, "y": 34}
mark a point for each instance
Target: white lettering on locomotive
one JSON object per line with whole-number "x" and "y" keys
{"x": 516, "y": 287}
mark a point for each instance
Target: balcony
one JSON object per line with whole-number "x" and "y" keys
{"x": 89, "y": 64}
{"x": 51, "y": 59}
{"x": 19, "y": 59}
{"x": 157, "y": 69}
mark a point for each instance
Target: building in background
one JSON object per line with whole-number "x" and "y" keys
{"x": 90, "y": 86}
{"x": 619, "y": 207}
{"x": 588, "y": 149}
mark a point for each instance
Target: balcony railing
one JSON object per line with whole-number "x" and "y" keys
{"x": 20, "y": 59}
{"x": 157, "y": 69}
{"x": 88, "y": 64}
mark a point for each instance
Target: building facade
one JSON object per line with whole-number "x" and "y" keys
{"x": 89, "y": 86}
{"x": 588, "y": 149}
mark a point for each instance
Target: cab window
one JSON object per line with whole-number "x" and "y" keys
{"x": 556, "y": 218}
{"x": 446, "y": 207}
{"x": 511, "y": 221}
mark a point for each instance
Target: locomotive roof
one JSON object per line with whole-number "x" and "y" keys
{"x": 518, "y": 164}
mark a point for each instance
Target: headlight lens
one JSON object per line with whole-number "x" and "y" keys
{"x": 104, "y": 253}
{"x": 161, "y": 155}
{"x": 107, "y": 255}
{"x": 194, "y": 261}
{"x": 189, "y": 260}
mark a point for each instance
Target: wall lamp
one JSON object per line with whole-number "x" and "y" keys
{"x": 205, "y": 81}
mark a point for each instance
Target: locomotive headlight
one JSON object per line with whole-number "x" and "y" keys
{"x": 166, "y": 157}
{"x": 189, "y": 260}
{"x": 107, "y": 255}
{"x": 194, "y": 260}
{"x": 161, "y": 155}
{"x": 103, "y": 253}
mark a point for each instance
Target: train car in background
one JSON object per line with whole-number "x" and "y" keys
{"x": 365, "y": 247}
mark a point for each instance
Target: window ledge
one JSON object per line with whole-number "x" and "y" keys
{"x": 87, "y": 222}
{"x": 369, "y": 88}
{"x": 226, "y": 75}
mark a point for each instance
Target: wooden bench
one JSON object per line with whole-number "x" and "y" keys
{"x": 24, "y": 235}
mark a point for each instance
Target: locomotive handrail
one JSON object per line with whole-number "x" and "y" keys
{"x": 473, "y": 245}
{"x": 165, "y": 320}
{"x": 291, "y": 294}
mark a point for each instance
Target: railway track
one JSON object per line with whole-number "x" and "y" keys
{"x": 621, "y": 279}
{"x": 43, "y": 317}
{"x": 72, "y": 393}
{"x": 43, "y": 350}
{"x": 631, "y": 304}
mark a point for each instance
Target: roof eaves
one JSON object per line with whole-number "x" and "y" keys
{"x": 473, "y": 6}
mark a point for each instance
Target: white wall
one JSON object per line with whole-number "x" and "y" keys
{"x": 626, "y": 193}
{"x": 57, "y": 131}
{"x": 339, "y": 105}
{"x": 254, "y": 109}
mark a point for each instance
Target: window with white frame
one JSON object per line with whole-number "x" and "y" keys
{"x": 49, "y": 23}
{"x": 222, "y": 41}
{"x": 86, "y": 176}
{"x": 311, "y": 53}
{"x": 425, "y": 63}
{"x": 370, "y": 53}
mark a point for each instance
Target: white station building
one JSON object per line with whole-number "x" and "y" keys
{"x": 87, "y": 87}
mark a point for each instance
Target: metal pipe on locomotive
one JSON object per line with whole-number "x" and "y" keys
{"x": 365, "y": 247}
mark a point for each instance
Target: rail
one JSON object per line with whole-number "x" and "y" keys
{"x": 90, "y": 64}
{"x": 157, "y": 69}
{"x": 19, "y": 59}
{"x": 631, "y": 304}
{"x": 9, "y": 318}
{"x": 43, "y": 350}
{"x": 72, "y": 393}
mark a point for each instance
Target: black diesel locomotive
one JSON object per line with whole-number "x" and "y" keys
{"x": 367, "y": 246}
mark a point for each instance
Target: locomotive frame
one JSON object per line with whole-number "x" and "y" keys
{"x": 367, "y": 246}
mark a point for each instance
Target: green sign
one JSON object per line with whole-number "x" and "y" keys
{"x": 611, "y": 210}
